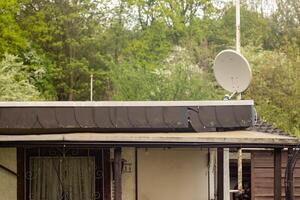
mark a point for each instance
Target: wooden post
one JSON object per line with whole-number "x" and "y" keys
{"x": 220, "y": 173}
{"x": 290, "y": 192}
{"x": 118, "y": 173}
{"x": 21, "y": 187}
{"x": 277, "y": 174}
{"x": 226, "y": 174}
{"x": 240, "y": 170}
{"x": 212, "y": 174}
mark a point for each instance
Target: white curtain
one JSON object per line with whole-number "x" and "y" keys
{"x": 62, "y": 178}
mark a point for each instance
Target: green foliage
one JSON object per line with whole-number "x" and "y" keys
{"x": 12, "y": 38}
{"x": 65, "y": 31}
{"x": 177, "y": 78}
{"x": 254, "y": 28}
{"x": 276, "y": 86}
{"x": 147, "y": 50}
{"x": 16, "y": 82}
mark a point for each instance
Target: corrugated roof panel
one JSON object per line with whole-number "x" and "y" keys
{"x": 155, "y": 117}
{"x": 85, "y": 117}
{"x": 138, "y": 118}
{"x": 226, "y": 117}
{"x": 47, "y": 117}
{"x": 121, "y": 118}
{"x": 102, "y": 117}
{"x": 66, "y": 117}
{"x": 175, "y": 117}
{"x": 208, "y": 117}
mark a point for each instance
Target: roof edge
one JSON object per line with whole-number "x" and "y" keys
{"x": 123, "y": 103}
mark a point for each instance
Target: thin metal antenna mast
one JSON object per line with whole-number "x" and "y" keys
{"x": 238, "y": 25}
{"x": 238, "y": 32}
{"x": 91, "y": 87}
{"x": 239, "y": 96}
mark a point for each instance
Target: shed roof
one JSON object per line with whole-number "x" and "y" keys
{"x": 151, "y": 122}
{"x": 145, "y": 116}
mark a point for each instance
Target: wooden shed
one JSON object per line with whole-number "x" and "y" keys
{"x": 173, "y": 150}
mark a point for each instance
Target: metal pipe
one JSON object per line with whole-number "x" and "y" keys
{"x": 238, "y": 25}
{"x": 238, "y": 33}
{"x": 240, "y": 170}
{"x": 226, "y": 174}
{"x": 91, "y": 87}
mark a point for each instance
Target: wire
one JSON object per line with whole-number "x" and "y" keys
{"x": 289, "y": 172}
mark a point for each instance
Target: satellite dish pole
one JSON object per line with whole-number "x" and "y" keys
{"x": 239, "y": 96}
{"x": 238, "y": 32}
{"x": 238, "y": 26}
{"x": 233, "y": 72}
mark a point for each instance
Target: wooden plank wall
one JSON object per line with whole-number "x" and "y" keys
{"x": 262, "y": 176}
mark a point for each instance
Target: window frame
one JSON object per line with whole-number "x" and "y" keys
{"x": 102, "y": 167}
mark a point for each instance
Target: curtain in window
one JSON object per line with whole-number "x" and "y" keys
{"x": 58, "y": 178}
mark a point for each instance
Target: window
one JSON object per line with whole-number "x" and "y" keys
{"x": 66, "y": 174}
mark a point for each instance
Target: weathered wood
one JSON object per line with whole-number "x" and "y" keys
{"x": 290, "y": 192}
{"x": 226, "y": 174}
{"x": 118, "y": 173}
{"x": 211, "y": 175}
{"x": 277, "y": 174}
{"x": 107, "y": 175}
{"x": 220, "y": 174}
{"x": 240, "y": 170}
{"x": 136, "y": 175}
{"x": 20, "y": 174}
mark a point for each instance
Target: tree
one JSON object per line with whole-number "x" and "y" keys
{"x": 275, "y": 86}
{"x": 64, "y": 30}
{"x": 12, "y": 38}
{"x": 16, "y": 83}
{"x": 177, "y": 78}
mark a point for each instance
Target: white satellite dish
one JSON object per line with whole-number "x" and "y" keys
{"x": 232, "y": 71}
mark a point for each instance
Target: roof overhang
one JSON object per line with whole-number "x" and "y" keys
{"x": 207, "y": 139}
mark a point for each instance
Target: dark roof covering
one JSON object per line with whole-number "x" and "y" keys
{"x": 155, "y": 116}
{"x": 264, "y": 127}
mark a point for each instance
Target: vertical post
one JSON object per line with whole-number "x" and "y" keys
{"x": 238, "y": 32}
{"x": 211, "y": 173}
{"x": 118, "y": 173}
{"x": 238, "y": 26}
{"x": 240, "y": 170}
{"x": 21, "y": 168}
{"x": 226, "y": 172}
{"x": 136, "y": 175}
{"x": 290, "y": 192}
{"x": 277, "y": 174}
{"x": 91, "y": 87}
{"x": 220, "y": 173}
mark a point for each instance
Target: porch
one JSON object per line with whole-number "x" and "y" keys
{"x": 142, "y": 166}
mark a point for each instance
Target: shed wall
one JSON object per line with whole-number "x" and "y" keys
{"x": 8, "y": 181}
{"x": 172, "y": 174}
{"x": 262, "y": 180}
